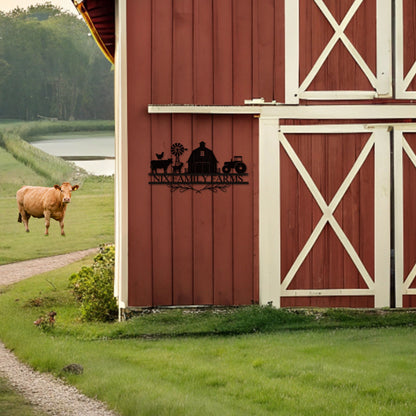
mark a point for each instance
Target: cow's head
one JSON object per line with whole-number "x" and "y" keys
{"x": 66, "y": 188}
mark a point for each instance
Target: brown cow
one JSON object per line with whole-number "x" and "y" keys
{"x": 39, "y": 202}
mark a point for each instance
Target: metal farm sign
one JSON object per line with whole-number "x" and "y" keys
{"x": 202, "y": 169}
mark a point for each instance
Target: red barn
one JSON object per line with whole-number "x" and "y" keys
{"x": 266, "y": 150}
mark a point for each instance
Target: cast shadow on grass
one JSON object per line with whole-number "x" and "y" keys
{"x": 233, "y": 321}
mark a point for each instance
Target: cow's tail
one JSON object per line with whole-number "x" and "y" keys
{"x": 19, "y": 219}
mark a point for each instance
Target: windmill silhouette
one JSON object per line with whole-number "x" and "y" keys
{"x": 177, "y": 149}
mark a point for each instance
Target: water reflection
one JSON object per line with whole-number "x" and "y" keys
{"x": 92, "y": 151}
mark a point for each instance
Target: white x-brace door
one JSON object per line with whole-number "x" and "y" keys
{"x": 381, "y": 81}
{"x": 274, "y": 286}
{"x": 404, "y": 279}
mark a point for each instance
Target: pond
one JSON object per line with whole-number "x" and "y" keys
{"x": 93, "y": 151}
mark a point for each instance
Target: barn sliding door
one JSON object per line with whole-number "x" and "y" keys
{"x": 405, "y": 217}
{"x": 338, "y": 49}
{"x": 324, "y": 229}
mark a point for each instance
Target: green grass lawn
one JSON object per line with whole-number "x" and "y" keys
{"x": 149, "y": 366}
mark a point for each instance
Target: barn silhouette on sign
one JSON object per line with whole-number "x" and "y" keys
{"x": 202, "y": 160}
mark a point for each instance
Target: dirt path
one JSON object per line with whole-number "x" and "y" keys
{"x": 14, "y": 272}
{"x": 51, "y": 395}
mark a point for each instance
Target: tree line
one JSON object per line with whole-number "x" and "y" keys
{"x": 50, "y": 66}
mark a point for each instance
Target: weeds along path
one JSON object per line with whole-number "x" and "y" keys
{"x": 14, "y": 272}
{"x": 51, "y": 395}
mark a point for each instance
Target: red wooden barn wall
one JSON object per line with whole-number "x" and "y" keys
{"x": 202, "y": 248}
{"x": 197, "y": 248}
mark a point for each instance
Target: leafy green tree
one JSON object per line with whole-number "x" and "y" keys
{"x": 50, "y": 66}
{"x": 5, "y": 71}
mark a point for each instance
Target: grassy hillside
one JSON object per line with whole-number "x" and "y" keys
{"x": 54, "y": 169}
{"x": 27, "y": 130}
{"x": 13, "y": 174}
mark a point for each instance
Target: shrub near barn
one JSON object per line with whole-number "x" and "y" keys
{"x": 93, "y": 287}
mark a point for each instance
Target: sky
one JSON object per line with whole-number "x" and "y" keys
{"x": 8, "y": 5}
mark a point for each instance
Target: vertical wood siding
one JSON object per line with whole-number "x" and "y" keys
{"x": 188, "y": 247}
{"x": 139, "y": 152}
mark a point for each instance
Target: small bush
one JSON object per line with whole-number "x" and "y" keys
{"x": 93, "y": 287}
{"x": 46, "y": 322}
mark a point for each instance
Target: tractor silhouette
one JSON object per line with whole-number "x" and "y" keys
{"x": 235, "y": 163}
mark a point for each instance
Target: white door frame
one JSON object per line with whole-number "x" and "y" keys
{"x": 121, "y": 148}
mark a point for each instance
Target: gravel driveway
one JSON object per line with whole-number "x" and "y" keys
{"x": 52, "y": 395}
{"x": 14, "y": 272}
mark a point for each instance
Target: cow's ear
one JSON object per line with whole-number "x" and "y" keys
{"x": 75, "y": 187}
{"x": 57, "y": 187}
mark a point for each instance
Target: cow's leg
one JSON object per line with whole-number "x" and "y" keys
{"x": 25, "y": 218}
{"x": 61, "y": 223}
{"x": 47, "y": 215}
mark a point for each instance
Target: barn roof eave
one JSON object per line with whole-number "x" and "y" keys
{"x": 96, "y": 32}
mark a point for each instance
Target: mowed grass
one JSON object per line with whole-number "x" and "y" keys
{"x": 332, "y": 371}
{"x": 348, "y": 372}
